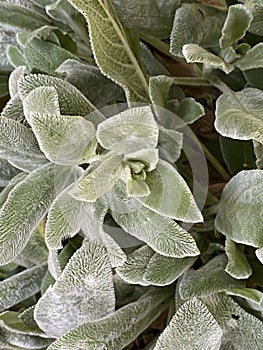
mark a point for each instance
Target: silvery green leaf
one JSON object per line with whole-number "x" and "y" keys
{"x": 164, "y": 270}
{"x": 65, "y": 218}
{"x": 170, "y": 196}
{"x": 129, "y": 131}
{"x": 111, "y": 47}
{"x": 83, "y": 292}
{"x": 164, "y": 236}
{"x": 93, "y": 184}
{"x": 252, "y": 59}
{"x": 113, "y": 332}
{"x": 14, "y": 78}
{"x": 14, "y": 110}
{"x": 42, "y": 100}
{"x": 193, "y": 327}
{"x": 133, "y": 270}
{"x": 240, "y": 329}
{"x": 151, "y": 64}
{"x": 239, "y": 114}
{"x": 258, "y": 150}
{"x": 15, "y": 56}
{"x": 256, "y": 25}
{"x": 91, "y": 82}
{"x": 17, "y": 142}
{"x": 11, "y": 321}
{"x": 239, "y": 215}
{"x": 45, "y": 56}
{"x": 65, "y": 140}
{"x": 135, "y": 187}
{"x": 250, "y": 294}
{"x": 196, "y": 54}
{"x": 21, "y": 17}
{"x": 7, "y": 172}
{"x": 237, "y": 264}
{"x": 209, "y": 279}
{"x": 170, "y": 144}
{"x": 26, "y": 205}
{"x": 159, "y": 88}
{"x": 53, "y": 264}
{"x": 153, "y": 18}
{"x": 6, "y": 38}
{"x": 259, "y": 255}
{"x": 24, "y": 341}
{"x": 204, "y": 29}
{"x": 190, "y": 110}
{"x": 21, "y": 286}
{"x": 148, "y": 156}
{"x": 71, "y": 100}
{"x": 236, "y": 24}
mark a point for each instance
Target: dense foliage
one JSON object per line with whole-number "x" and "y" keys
{"x": 110, "y": 215}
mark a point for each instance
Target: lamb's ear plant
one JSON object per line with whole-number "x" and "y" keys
{"x": 107, "y": 218}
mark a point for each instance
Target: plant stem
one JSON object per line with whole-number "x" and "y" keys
{"x": 216, "y": 164}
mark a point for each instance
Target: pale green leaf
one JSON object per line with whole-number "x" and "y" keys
{"x": 44, "y": 55}
{"x": 93, "y": 184}
{"x": 239, "y": 114}
{"x": 71, "y": 101}
{"x": 7, "y": 172}
{"x": 53, "y": 264}
{"x": 148, "y": 156}
{"x": 190, "y": 110}
{"x": 42, "y": 100}
{"x": 83, "y": 292}
{"x": 21, "y": 286}
{"x": 159, "y": 88}
{"x": 237, "y": 264}
{"x": 113, "y": 332}
{"x": 13, "y": 182}
{"x": 14, "y": 110}
{"x": 150, "y": 17}
{"x": 240, "y": 329}
{"x": 161, "y": 234}
{"x": 65, "y": 140}
{"x": 239, "y": 215}
{"x": 236, "y": 24}
{"x": 135, "y": 187}
{"x": 193, "y": 327}
{"x": 6, "y": 38}
{"x": 26, "y": 205}
{"x": 170, "y": 144}
{"x": 256, "y": 25}
{"x": 203, "y": 29}
{"x": 151, "y": 64}
{"x": 209, "y": 279}
{"x": 170, "y": 196}
{"x": 258, "y": 150}
{"x": 17, "y": 142}
{"x": 129, "y": 131}
{"x": 15, "y": 56}
{"x": 252, "y": 59}
{"x": 14, "y": 78}
{"x": 21, "y": 17}
{"x": 64, "y": 220}
{"x": 249, "y": 294}
{"x": 196, "y": 54}
{"x": 133, "y": 270}
{"x": 259, "y": 254}
{"x": 110, "y": 45}
{"x": 91, "y": 82}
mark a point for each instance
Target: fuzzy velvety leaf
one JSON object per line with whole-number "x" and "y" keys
{"x": 209, "y": 279}
{"x": 65, "y": 140}
{"x": 258, "y": 150}
{"x": 71, "y": 100}
{"x": 190, "y": 110}
{"x": 44, "y": 55}
{"x": 26, "y": 205}
{"x": 252, "y": 59}
{"x": 161, "y": 234}
{"x": 21, "y": 17}
{"x": 170, "y": 196}
{"x": 170, "y": 144}
{"x": 153, "y": 18}
{"x": 240, "y": 329}
{"x": 65, "y": 218}
{"x": 6, "y": 38}
{"x": 236, "y": 24}
{"x": 15, "y": 56}
{"x": 110, "y": 44}
{"x": 203, "y": 29}
{"x": 21, "y": 286}
{"x": 129, "y": 131}
{"x": 113, "y": 332}
{"x": 83, "y": 292}
{"x": 239, "y": 114}
{"x": 192, "y": 327}
{"x": 237, "y": 264}
{"x": 239, "y": 215}
{"x": 256, "y": 26}
{"x": 17, "y": 142}
{"x": 14, "y": 110}
{"x": 196, "y": 54}
{"x": 14, "y": 78}
{"x": 7, "y": 172}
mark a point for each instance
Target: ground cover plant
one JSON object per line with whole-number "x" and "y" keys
{"x": 131, "y": 154}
